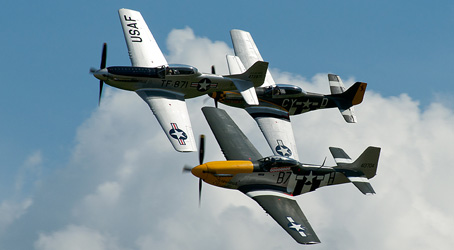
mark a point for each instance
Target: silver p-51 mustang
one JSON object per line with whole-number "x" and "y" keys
{"x": 165, "y": 87}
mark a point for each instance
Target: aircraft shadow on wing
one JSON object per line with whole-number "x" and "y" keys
{"x": 277, "y": 102}
{"x": 165, "y": 87}
{"x": 274, "y": 181}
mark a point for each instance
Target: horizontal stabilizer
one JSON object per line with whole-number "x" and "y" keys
{"x": 361, "y": 170}
{"x": 246, "y": 88}
{"x": 362, "y": 183}
{"x": 346, "y": 98}
{"x": 340, "y": 157}
{"x": 246, "y": 81}
{"x": 247, "y": 91}
{"x": 255, "y": 74}
{"x": 349, "y": 115}
{"x": 235, "y": 65}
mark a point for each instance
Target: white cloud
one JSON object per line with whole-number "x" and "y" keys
{"x": 187, "y": 48}
{"x": 75, "y": 238}
{"x": 11, "y": 211}
{"x": 123, "y": 188}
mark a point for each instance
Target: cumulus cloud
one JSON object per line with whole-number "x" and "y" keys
{"x": 123, "y": 187}
{"x": 185, "y": 47}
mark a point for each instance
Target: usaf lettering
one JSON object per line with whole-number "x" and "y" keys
{"x": 134, "y": 31}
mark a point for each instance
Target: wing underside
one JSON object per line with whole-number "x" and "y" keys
{"x": 286, "y": 212}
{"x": 276, "y": 127}
{"x": 172, "y": 114}
{"x": 234, "y": 144}
{"x": 142, "y": 47}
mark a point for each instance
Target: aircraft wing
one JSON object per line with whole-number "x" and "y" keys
{"x": 245, "y": 48}
{"x": 277, "y": 129}
{"x": 171, "y": 111}
{"x": 286, "y": 212}
{"x": 142, "y": 47}
{"x": 234, "y": 144}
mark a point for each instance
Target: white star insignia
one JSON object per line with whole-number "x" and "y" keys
{"x": 307, "y": 104}
{"x": 179, "y": 134}
{"x": 204, "y": 85}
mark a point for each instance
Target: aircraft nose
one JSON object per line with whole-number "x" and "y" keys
{"x": 100, "y": 74}
{"x": 200, "y": 171}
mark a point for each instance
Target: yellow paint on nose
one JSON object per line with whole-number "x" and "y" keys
{"x": 219, "y": 173}
{"x": 200, "y": 171}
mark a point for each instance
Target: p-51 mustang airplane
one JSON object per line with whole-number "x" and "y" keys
{"x": 165, "y": 87}
{"x": 278, "y": 101}
{"x": 273, "y": 181}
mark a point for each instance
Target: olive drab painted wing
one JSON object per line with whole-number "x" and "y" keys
{"x": 287, "y": 213}
{"x": 234, "y": 144}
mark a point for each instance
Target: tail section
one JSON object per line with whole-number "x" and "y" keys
{"x": 235, "y": 65}
{"x": 346, "y": 98}
{"x": 255, "y": 74}
{"x": 361, "y": 170}
{"x": 247, "y": 81}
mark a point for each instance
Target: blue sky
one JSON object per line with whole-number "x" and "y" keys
{"x": 49, "y": 100}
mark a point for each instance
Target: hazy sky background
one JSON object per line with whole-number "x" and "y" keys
{"x": 77, "y": 176}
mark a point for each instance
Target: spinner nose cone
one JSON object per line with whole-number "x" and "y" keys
{"x": 200, "y": 171}
{"x": 100, "y": 74}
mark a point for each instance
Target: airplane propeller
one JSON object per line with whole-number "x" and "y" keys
{"x": 188, "y": 168}
{"x": 103, "y": 65}
{"x": 213, "y": 71}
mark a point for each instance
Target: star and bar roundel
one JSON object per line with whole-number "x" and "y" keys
{"x": 204, "y": 85}
{"x": 178, "y": 134}
{"x": 283, "y": 150}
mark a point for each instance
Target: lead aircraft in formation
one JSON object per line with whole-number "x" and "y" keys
{"x": 274, "y": 181}
{"x": 165, "y": 87}
{"x": 277, "y": 102}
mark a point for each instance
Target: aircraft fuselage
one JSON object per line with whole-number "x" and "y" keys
{"x": 269, "y": 173}
{"x": 294, "y": 104}
{"x": 191, "y": 84}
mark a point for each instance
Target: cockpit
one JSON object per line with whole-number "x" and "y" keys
{"x": 281, "y": 90}
{"x": 277, "y": 161}
{"x": 177, "y": 69}
{"x": 158, "y": 72}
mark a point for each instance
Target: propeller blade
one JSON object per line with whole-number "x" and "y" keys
{"x": 101, "y": 83}
{"x": 201, "y": 149}
{"x": 104, "y": 56}
{"x": 213, "y": 70}
{"x": 216, "y": 103}
{"x": 200, "y": 191}
{"x": 103, "y": 65}
{"x": 187, "y": 168}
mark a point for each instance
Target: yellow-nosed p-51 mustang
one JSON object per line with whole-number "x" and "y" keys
{"x": 274, "y": 181}
{"x": 165, "y": 87}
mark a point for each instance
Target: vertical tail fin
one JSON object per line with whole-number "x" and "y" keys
{"x": 347, "y": 98}
{"x": 361, "y": 170}
{"x": 246, "y": 81}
